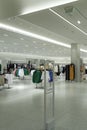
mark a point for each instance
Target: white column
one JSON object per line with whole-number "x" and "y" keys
{"x": 75, "y": 59}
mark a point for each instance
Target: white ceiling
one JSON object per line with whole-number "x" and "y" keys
{"x": 43, "y": 23}
{"x": 9, "y": 8}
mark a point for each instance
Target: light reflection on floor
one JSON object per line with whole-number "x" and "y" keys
{"x": 22, "y": 106}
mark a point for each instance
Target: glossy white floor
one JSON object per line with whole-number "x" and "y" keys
{"x": 21, "y": 107}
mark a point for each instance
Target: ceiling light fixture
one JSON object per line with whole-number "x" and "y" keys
{"x": 83, "y": 50}
{"x": 79, "y": 22}
{"x": 30, "y": 34}
{"x": 54, "y": 12}
{"x": 46, "y": 5}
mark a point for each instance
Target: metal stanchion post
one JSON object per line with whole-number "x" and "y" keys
{"x": 49, "y": 123}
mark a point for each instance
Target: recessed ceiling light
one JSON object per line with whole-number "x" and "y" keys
{"x": 26, "y": 46}
{"x": 2, "y": 41}
{"x": 5, "y": 47}
{"x": 9, "y": 19}
{"x": 15, "y": 49}
{"x": 30, "y": 27}
{"x": 44, "y": 44}
{"x": 22, "y": 39}
{"x": 15, "y": 43}
{"x": 34, "y": 41}
{"x": 79, "y": 22}
{"x": 36, "y": 47}
{"x": 21, "y": 23}
{"x": 6, "y": 35}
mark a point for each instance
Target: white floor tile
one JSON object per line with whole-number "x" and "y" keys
{"x": 22, "y": 106}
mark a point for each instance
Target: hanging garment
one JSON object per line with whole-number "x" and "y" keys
{"x": 9, "y": 78}
{"x": 14, "y": 71}
{"x": 42, "y": 76}
{"x": 21, "y": 72}
{"x": 72, "y": 72}
{"x": 32, "y": 71}
{"x": 0, "y": 67}
{"x": 67, "y": 72}
{"x": 14, "y": 66}
{"x": 37, "y": 76}
{"x": 47, "y": 76}
{"x": 26, "y": 72}
{"x": 17, "y": 73}
{"x": 50, "y": 76}
{"x": 1, "y": 80}
{"x": 56, "y": 69}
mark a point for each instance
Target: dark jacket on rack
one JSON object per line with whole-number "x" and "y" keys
{"x": 37, "y": 76}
